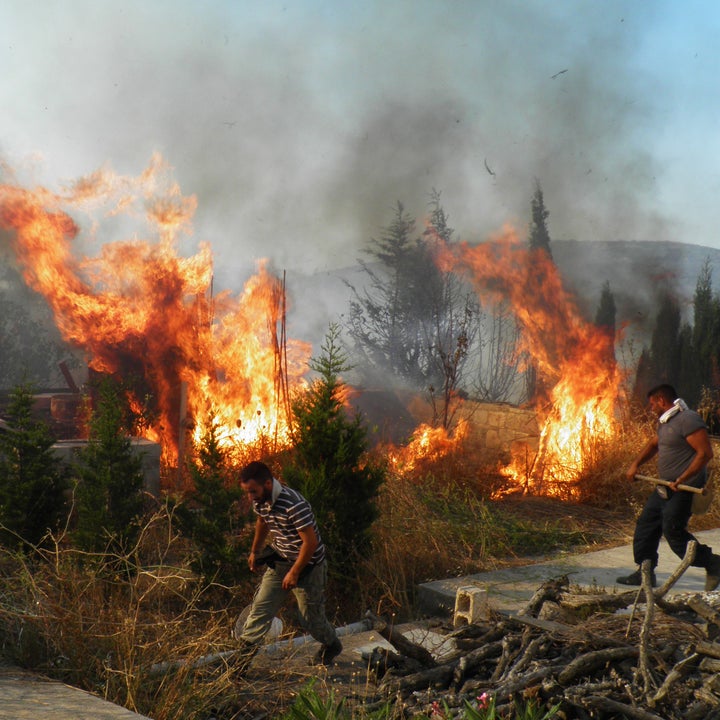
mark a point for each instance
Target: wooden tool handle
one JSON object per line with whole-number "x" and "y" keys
{"x": 667, "y": 483}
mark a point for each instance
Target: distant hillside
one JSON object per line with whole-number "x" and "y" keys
{"x": 638, "y": 272}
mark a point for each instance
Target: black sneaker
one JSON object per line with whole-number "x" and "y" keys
{"x": 712, "y": 579}
{"x": 327, "y": 653}
{"x": 636, "y": 579}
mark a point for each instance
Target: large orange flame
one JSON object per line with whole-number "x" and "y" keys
{"x": 574, "y": 359}
{"x": 141, "y": 311}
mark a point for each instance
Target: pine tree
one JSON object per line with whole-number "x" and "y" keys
{"x": 644, "y": 377}
{"x": 331, "y": 468}
{"x": 210, "y": 514}
{"x": 662, "y": 361}
{"x": 605, "y": 319}
{"x": 413, "y": 321}
{"x": 110, "y": 478}
{"x": 32, "y": 479}
{"x": 538, "y": 241}
{"x": 665, "y": 342}
{"x": 605, "y": 316}
{"x": 385, "y": 318}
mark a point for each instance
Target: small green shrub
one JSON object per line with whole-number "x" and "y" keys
{"x": 331, "y": 466}
{"x": 32, "y": 481}
{"x": 211, "y": 514}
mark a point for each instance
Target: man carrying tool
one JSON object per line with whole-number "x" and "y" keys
{"x": 285, "y": 518}
{"x": 682, "y": 445}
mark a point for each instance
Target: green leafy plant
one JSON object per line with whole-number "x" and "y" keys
{"x": 310, "y": 706}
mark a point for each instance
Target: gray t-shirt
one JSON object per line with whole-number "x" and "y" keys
{"x": 674, "y": 452}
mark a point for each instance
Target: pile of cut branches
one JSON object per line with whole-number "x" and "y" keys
{"x": 635, "y": 654}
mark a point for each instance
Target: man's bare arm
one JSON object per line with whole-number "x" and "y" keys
{"x": 649, "y": 451}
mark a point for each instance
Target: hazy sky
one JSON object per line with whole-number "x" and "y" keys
{"x": 299, "y": 124}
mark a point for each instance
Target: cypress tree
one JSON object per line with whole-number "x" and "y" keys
{"x": 539, "y": 237}
{"x": 704, "y": 333}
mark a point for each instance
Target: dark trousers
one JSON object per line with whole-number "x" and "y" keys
{"x": 669, "y": 518}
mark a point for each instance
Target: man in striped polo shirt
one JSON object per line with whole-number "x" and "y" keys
{"x": 285, "y": 519}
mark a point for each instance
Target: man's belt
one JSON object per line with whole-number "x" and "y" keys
{"x": 268, "y": 556}
{"x": 701, "y": 501}
{"x": 668, "y": 483}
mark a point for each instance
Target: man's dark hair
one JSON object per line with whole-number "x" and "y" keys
{"x": 257, "y": 471}
{"x": 665, "y": 391}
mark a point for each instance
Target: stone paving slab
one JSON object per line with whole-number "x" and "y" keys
{"x": 26, "y": 696}
{"x": 510, "y": 588}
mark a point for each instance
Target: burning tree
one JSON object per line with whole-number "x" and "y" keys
{"x": 139, "y": 310}
{"x": 570, "y": 354}
{"x": 499, "y": 360}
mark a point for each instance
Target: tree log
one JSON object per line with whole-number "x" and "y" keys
{"x": 600, "y": 702}
{"x": 589, "y": 662}
{"x": 438, "y": 677}
{"x": 643, "y": 664}
{"x": 705, "y": 611}
{"x": 520, "y": 684}
{"x": 679, "y": 570}
{"x": 401, "y": 643}
{"x": 678, "y": 672}
{"x": 526, "y": 657}
{"x": 550, "y": 590}
{"x": 441, "y": 673}
{"x": 711, "y": 649}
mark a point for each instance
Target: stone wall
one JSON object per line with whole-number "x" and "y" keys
{"x": 496, "y": 427}
{"x": 502, "y": 428}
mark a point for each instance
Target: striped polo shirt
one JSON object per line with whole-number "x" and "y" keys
{"x": 287, "y": 513}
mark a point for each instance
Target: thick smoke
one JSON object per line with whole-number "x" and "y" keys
{"x": 299, "y": 128}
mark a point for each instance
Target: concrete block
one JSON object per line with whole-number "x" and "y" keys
{"x": 471, "y": 605}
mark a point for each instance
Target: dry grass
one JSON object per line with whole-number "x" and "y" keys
{"x": 104, "y": 622}
{"x": 109, "y": 624}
